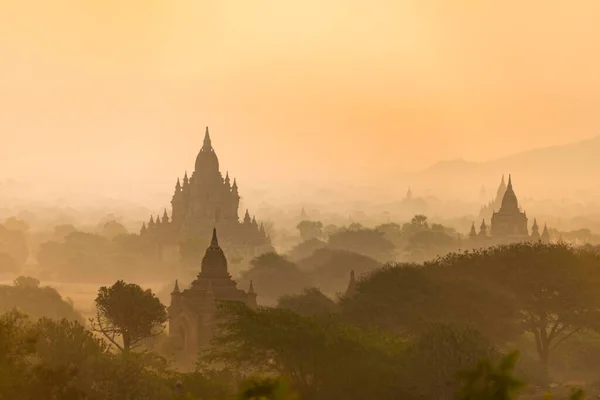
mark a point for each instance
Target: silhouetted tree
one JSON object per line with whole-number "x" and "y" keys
{"x": 317, "y": 354}
{"x": 26, "y": 282}
{"x": 440, "y": 353}
{"x": 129, "y": 312}
{"x": 486, "y": 381}
{"x": 408, "y": 298}
{"x": 112, "y": 229}
{"x": 16, "y": 224}
{"x": 310, "y": 302}
{"x": 368, "y": 242}
{"x": 274, "y": 276}
{"x": 331, "y": 267}
{"x": 310, "y": 229}
{"x": 305, "y": 249}
{"x": 556, "y": 288}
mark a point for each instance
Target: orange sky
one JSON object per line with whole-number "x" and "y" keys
{"x": 109, "y": 92}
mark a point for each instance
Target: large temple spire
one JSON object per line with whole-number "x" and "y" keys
{"x": 214, "y": 242}
{"x": 207, "y": 145}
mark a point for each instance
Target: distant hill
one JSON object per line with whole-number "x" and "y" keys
{"x": 564, "y": 171}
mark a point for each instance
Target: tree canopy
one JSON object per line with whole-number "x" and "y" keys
{"x": 128, "y": 312}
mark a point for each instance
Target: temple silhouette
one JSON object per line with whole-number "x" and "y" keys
{"x": 202, "y": 202}
{"x": 192, "y": 311}
{"x": 508, "y": 221}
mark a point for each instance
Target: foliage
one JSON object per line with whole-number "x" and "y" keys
{"x": 111, "y": 229}
{"x": 317, "y": 354}
{"x": 407, "y": 298}
{"x": 266, "y": 389}
{"x": 24, "y": 282}
{"x": 556, "y": 289}
{"x": 36, "y": 301}
{"x": 129, "y": 312}
{"x": 311, "y": 302}
{"x": 440, "y": 353}
{"x": 274, "y": 276}
{"x": 331, "y": 267}
{"x": 310, "y": 229}
{"x": 369, "y": 242}
{"x": 17, "y": 342}
{"x": 16, "y": 224}
{"x": 82, "y": 257}
{"x": 486, "y": 381}
{"x": 305, "y": 249}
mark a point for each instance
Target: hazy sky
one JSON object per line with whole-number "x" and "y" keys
{"x": 114, "y": 92}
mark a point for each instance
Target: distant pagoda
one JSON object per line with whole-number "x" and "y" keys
{"x": 205, "y": 201}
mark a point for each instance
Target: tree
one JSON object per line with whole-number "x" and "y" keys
{"x": 310, "y": 229}
{"x": 17, "y": 343}
{"x": 112, "y": 229}
{"x": 311, "y": 302}
{"x": 62, "y": 231}
{"x": 440, "y": 353}
{"x": 368, "y": 242}
{"x": 317, "y": 354}
{"x": 419, "y": 221}
{"x": 26, "y": 282}
{"x": 266, "y": 389}
{"x": 409, "y": 298}
{"x": 36, "y": 301}
{"x": 274, "y": 276}
{"x": 305, "y": 249}
{"x": 129, "y": 312}
{"x": 486, "y": 381}
{"x": 557, "y": 289}
{"x": 331, "y": 268}
{"x": 16, "y": 224}
{"x": 66, "y": 343}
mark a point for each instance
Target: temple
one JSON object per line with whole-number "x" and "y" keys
{"x": 351, "y": 289}
{"x": 204, "y": 201}
{"x": 192, "y": 311}
{"x": 508, "y": 221}
{"x": 488, "y": 209}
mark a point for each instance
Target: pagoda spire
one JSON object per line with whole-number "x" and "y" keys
{"x": 251, "y": 288}
{"x": 227, "y": 181}
{"x": 483, "y": 228}
{"x": 176, "y": 288}
{"x": 207, "y": 145}
{"x": 178, "y": 186}
{"x": 186, "y": 180}
{"x": 143, "y": 230}
{"x": 214, "y": 242}
{"x": 473, "y": 233}
{"x": 351, "y": 289}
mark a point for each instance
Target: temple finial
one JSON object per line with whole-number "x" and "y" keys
{"x": 207, "y": 145}
{"x": 251, "y": 288}
{"x": 176, "y": 288}
{"x": 214, "y": 241}
{"x": 351, "y": 289}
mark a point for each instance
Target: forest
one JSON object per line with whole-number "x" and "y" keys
{"x": 515, "y": 321}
